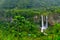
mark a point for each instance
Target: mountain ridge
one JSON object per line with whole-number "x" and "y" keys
{"x": 28, "y": 3}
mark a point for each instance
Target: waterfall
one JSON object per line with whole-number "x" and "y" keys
{"x": 46, "y": 21}
{"x": 46, "y": 24}
{"x": 42, "y": 23}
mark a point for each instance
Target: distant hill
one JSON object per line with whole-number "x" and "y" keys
{"x": 28, "y": 3}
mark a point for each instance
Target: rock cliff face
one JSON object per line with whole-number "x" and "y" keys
{"x": 52, "y": 19}
{"x": 56, "y": 18}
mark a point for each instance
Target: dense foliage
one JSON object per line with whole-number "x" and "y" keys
{"x": 18, "y": 24}
{"x": 17, "y": 19}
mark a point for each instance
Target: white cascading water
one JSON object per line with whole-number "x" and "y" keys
{"x": 46, "y": 26}
{"x": 42, "y": 24}
{"x": 46, "y": 22}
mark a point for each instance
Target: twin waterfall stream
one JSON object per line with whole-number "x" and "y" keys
{"x": 44, "y": 25}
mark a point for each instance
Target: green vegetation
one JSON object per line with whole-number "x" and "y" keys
{"x": 18, "y": 24}
{"x": 17, "y": 19}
